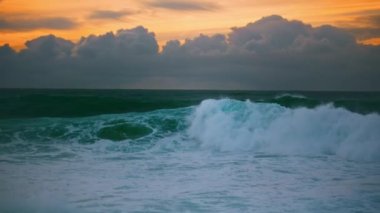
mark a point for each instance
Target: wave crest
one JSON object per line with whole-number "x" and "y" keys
{"x": 230, "y": 125}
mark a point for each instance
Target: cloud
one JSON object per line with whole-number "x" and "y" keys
{"x": 276, "y": 34}
{"x": 136, "y": 41}
{"x": 272, "y": 33}
{"x": 182, "y": 5}
{"x": 109, "y": 14}
{"x": 110, "y": 60}
{"x": 275, "y": 53}
{"x": 46, "y": 47}
{"x": 6, "y": 53}
{"x": 371, "y": 29}
{"x": 373, "y": 20}
{"x": 29, "y": 24}
{"x": 200, "y": 46}
{"x": 271, "y": 53}
{"x": 362, "y": 13}
{"x": 365, "y": 33}
{"x": 364, "y": 25}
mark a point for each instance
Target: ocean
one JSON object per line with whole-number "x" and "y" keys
{"x": 189, "y": 151}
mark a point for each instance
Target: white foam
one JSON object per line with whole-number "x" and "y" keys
{"x": 230, "y": 125}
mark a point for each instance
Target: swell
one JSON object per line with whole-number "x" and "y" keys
{"x": 81, "y": 103}
{"x": 128, "y": 127}
{"x": 77, "y": 103}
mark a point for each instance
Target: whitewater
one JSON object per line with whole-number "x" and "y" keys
{"x": 221, "y": 155}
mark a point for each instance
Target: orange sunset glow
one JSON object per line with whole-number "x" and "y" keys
{"x": 23, "y": 20}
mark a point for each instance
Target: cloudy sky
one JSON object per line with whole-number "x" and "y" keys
{"x": 181, "y": 44}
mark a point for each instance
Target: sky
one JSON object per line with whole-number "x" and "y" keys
{"x": 22, "y": 20}
{"x": 199, "y": 44}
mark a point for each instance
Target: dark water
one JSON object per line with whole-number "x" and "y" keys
{"x": 189, "y": 151}
{"x": 24, "y": 103}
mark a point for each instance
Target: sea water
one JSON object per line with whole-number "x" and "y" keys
{"x": 189, "y": 151}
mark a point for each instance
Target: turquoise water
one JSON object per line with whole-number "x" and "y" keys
{"x": 189, "y": 151}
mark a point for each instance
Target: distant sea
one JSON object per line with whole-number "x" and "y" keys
{"x": 189, "y": 151}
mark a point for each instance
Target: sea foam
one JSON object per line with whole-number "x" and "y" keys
{"x": 231, "y": 125}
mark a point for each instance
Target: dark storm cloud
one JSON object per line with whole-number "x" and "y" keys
{"x": 200, "y": 46}
{"x": 182, "y": 5}
{"x": 274, "y": 53}
{"x": 275, "y": 34}
{"x": 109, "y": 14}
{"x": 111, "y": 60}
{"x": 365, "y": 33}
{"x": 29, "y": 24}
{"x": 271, "y": 53}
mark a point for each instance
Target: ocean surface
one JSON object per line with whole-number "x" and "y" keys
{"x": 189, "y": 151}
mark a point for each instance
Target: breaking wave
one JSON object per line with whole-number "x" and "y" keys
{"x": 230, "y": 125}
{"x": 223, "y": 125}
